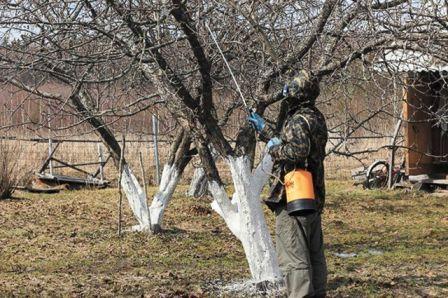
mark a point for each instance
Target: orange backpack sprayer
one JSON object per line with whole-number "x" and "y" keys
{"x": 300, "y": 198}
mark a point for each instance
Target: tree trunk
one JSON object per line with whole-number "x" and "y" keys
{"x": 198, "y": 185}
{"x": 245, "y": 218}
{"x": 170, "y": 178}
{"x": 137, "y": 199}
{"x": 180, "y": 155}
{"x": 149, "y": 219}
{"x": 244, "y": 213}
{"x": 131, "y": 187}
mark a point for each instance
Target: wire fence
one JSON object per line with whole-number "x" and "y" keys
{"x": 34, "y": 152}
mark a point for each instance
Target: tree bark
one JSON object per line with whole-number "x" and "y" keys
{"x": 244, "y": 214}
{"x": 198, "y": 185}
{"x": 131, "y": 187}
{"x": 180, "y": 155}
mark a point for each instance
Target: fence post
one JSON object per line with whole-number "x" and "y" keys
{"x": 50, "y": 150}
{"x": 392, "y": 153}
{"x": 50, "y": 145}
{"x": 101, "y": 161}
{"x": 142, "y": 168}
{"x": 155, "y": 131}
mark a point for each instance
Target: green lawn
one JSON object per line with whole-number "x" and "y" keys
{"x": 67, "y": 245}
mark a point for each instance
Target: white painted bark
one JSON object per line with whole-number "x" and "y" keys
{"x": 198, "y": 185}
{"x": 227, "y": 209}
{"x": 244, "y": 216}
{"x": 168, "y": 182}
{"x": 261, "y": 174}
{"x": 136, "y": 198}
{"x": 129, "y": 183}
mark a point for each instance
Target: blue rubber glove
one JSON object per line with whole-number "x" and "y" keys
{"x": 257, "y": 121}
{"x": 285, "y": 90}
{"x": 273, "y": 142}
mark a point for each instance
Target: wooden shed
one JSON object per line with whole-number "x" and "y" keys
{"x": 425, "y": 114}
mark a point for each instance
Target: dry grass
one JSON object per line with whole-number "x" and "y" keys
{"x": 66, "y": 245}
{"x": 13, "y": 171}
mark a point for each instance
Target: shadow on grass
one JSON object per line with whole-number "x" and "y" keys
{"x": 174, "y": 231}
{"x": 344, "y": 281}
{"x": 440, "y": 280}
{"x": 13, "y": 199}
{"x": 386, "y": 208}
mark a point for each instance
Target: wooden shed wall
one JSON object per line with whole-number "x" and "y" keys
{"x": 423, "y": 96}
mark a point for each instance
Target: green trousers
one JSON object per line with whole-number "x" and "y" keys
{"x": 300, "y": 250}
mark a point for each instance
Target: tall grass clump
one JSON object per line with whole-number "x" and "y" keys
{"x": 12, "y": 173}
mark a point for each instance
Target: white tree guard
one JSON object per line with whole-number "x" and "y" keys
{"x": 168, "y": 183}
{"x": 244, "y": 216}
{"x": 136, "y": 198}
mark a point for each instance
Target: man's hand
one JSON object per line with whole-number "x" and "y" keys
{"x": 257, "y": 121}
{"x": 273, "y": 142}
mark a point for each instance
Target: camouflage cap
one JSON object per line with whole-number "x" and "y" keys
{"x": 305, "y": 87}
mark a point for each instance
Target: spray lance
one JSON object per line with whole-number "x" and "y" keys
{"x": 248, "y": 110}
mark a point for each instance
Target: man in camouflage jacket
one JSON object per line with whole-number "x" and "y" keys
{"x": 299, "y": 144}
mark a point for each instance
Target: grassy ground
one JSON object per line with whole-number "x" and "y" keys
{"x": 66, "y": 245}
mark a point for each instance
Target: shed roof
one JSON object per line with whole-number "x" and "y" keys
{"x": 410, "y": 60}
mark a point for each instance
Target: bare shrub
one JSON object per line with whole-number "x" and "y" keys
{"x": 12, "y": 173}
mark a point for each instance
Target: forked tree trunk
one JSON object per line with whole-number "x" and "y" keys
{"x": 149, "y": 219}
{"x": 244, "y": 214}
{"x": 180, "y": 155}
{"x": 131, "y": 187}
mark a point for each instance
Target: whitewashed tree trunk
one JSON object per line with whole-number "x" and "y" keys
{"x": 136, "y": 196}
{"x": 179, "y": 156}
{"x": 244, "y": 215}
{"x": 170, "y": 179}
{"x": 137, "y": 199}
{"x": 198, "y": 185}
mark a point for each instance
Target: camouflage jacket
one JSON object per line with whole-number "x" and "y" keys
{"x": 304, "y": 137}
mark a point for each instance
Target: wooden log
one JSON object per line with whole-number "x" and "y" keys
{"x": 76, "y": 164}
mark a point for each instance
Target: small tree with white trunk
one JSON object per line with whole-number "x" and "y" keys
{"x": 179, "y": 156}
